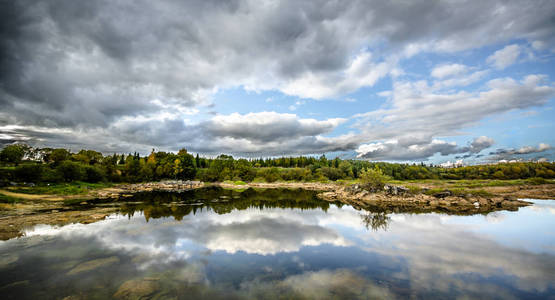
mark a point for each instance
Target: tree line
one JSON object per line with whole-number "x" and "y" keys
{"x": 21, "y": 163}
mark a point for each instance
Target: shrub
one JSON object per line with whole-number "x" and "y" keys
{"x": 269, "y": 174}
{"x": 6, "y": 175}
{"x": 208, "y": 175}
{"x": 296, "y": 174}
{"x": 52, "y": 175}
{"x": 537, "y": 180}
{"x": 94, "y": 174}
{"x": 28, "y": 173}
{"x": 373, "y": 179}
{"x": 71, "y": 171}
{"x": 332, "y": 173}
{"x": 246, "y": 174}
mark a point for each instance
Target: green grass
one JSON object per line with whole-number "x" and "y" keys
{"x": 414, "y": 189}
{"x": 236, "y": 182}
{"x": 74, "y": 201}
{"x": 460, "y": 191}
{"x": 476, "y": 183}
{"x": 73, "y": 188}
{"x": 9, "y": 199}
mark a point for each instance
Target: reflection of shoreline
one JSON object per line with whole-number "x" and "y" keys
{"x": 432, "y": 256}
{"x": 218, "y": 200}
{"x": 278, "y": 230}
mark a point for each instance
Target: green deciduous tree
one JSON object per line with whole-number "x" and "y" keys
{"x": 12, "y": 154}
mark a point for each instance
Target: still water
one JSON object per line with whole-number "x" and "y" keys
{"x": 216, "y": 244}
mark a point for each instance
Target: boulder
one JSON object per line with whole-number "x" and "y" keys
{"x": 395, "y": 190}
{"x": 446, "y": 193}
{"x": 354, "y": 189}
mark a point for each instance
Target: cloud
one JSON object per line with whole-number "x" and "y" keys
{"x": 100, "y": 68}
{"x": 417, "y": 110}
{"x": 448, "y": 70}
{"x": 392, "y": 150}
{"x": 263, "y": 132}
{"x": 408, "y": 150}
{"x": 361, "y": 72}
{"x": 459, "y": 80}
{"x": 542, "y": 147}
{"x": 504, "y": 57}
{"x": 481, "y": 143}
{"x": 267, "y": 126}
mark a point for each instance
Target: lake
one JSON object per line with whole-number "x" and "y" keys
{"x": 223, "y": 244}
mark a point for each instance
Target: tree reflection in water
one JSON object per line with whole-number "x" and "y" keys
{"x": 376, "y": 221}
{"x": 221, "y": 201}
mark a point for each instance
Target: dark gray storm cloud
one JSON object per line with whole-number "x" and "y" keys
{"x": 126, "y": 74}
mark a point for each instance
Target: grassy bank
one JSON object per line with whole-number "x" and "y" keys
{"x": 9, "y": 199}
{"x": 475, "y": 183}
{"x": 72, "y": 188}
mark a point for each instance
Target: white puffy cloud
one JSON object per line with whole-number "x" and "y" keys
{"x": 504, "y": 57}
{"x": 448, "y": 70}
{"x": 416, "y": 109}
{"x": 410, "y": 150}
{"x": 542, "y": 147}
{"x": 459, "y": 81}
{"x": 392, "y": 150}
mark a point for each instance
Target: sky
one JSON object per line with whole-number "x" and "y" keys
{"x": 400, "y": 81}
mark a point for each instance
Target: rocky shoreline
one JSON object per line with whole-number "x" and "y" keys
{"x": 355, "y": 195}
{"x": 393, "y": 197}
{"x": 399, "y": 199}
{"x": 127, "y": 190}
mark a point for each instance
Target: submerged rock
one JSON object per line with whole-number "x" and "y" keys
{"x": 8, "y": 258}
{"x": 138, "y": 289}
{"x": 93, "y": 264}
